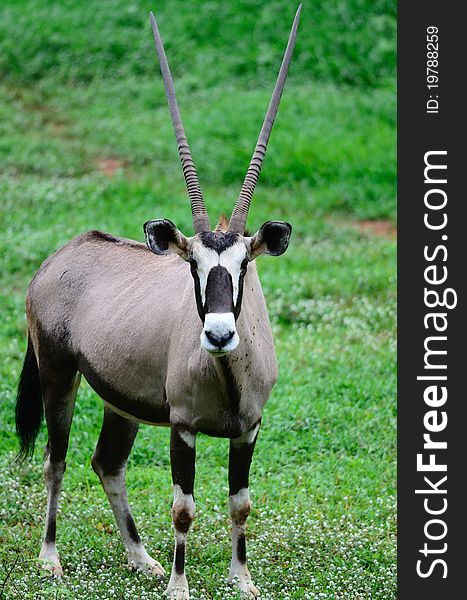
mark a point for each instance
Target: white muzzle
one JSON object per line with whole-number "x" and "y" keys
{"x": 219, "y": 335}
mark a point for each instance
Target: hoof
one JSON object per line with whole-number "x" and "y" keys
{"x": 157, "y": 569}
{"x": 178, "y": 593}
{"x": 246, "y": 586}
{"x": 148, "y": 566}
{"x": 50, "y": 560}
{"x": 54, "y": 569}
{"x": 251, "y": 590}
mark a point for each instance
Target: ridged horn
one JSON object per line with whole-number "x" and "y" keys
{"x": 198, "y": 208}
{"x": 240, "y": 211}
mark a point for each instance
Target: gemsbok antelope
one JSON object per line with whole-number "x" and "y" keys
{"x": 124, "y": 315}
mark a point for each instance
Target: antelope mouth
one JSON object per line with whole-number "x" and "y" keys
{"x": 218, "y": 353}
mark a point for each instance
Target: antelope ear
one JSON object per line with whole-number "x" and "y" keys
{"x": 162, "y": 237}
{"x": 272, "y": 238}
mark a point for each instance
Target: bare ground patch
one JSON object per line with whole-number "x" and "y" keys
{"x": 110, "y": 165}
{"x": 373, "y": 228}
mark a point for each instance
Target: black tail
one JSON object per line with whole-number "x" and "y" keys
{"x": 29, "y": 407}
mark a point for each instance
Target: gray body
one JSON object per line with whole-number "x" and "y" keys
{"x": 127, "y": 319}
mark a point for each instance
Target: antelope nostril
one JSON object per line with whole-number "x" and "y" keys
{"x": 212, "y": 338}
{"x": 219, "y": 340}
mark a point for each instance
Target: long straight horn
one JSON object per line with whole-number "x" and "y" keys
{"x": 198, "y": 209}
{"x": 240, "y": 212}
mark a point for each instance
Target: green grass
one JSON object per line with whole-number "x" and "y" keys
{"x": 79, "y": 85}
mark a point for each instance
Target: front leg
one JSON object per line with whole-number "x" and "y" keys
{"x": 182, "y": 459}
{"x": 241, "y": 453}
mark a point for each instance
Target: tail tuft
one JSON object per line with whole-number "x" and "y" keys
{"x": 29, "y": 407}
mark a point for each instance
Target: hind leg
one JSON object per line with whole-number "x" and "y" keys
{"x": 59, "y": 393}
{"x": 109, "y": 462}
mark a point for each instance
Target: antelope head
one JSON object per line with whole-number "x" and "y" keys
{"x": 219, "y": 258}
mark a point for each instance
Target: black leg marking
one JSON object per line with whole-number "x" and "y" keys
{"x": 50, "y": 532}
{"x": 182, "y": 460}
{"x": 241, "y": 548}
{"x": 240, "y": 457}
{"x": 180, "y": 559}
{"x": 131, "y": 528}
{"x": 182, "y": 520}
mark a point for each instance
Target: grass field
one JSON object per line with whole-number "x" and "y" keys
{"x": 86, "y": 142}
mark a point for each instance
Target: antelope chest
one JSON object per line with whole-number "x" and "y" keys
{"x": 224, "y": 398}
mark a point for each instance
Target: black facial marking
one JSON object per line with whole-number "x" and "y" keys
{"x": 219, "y": 287}
{"x": 199, "y": 301}
{"x": 238, "y": 305}
{"x": 217, "y": 240}
{"x": 241, "y": 548}
{"x": 219, "y": 291}
{"x": 180, "y": 559}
